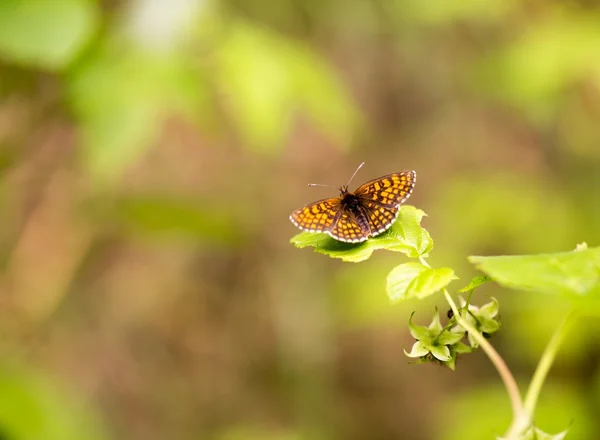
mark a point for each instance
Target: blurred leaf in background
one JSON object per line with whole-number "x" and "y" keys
{"x": 46, "y": 35}
{"x": 32, "y": 408}
{"x": 271, "y": 80}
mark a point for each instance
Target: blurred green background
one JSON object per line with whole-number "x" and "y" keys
{"x": 151, "y": 152}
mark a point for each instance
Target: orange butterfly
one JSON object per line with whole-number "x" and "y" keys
{"x": 353, "y": 217}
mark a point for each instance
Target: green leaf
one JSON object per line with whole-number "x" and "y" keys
{"x": 415, "y": 240}
{"x": 450, "y": 337}
{"x": 406, "y": 235}
{"x": 441, "y": 352}
{"x": 490, "y": 309}
{"x": 419, "y": 349}
{"x": 413, "y": 280}
{"x": 572, "y": 274}
{"x": 46, "y": 34}
{"x": 455, "y": 350}
{"x": 400, "y": 279}
{"x": 475, "y": 282}
{"x": 420, "y": 332}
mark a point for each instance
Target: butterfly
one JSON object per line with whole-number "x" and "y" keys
{"x": 354, "y": 217}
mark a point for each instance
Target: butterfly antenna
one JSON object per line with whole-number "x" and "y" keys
{"x": 359, "y": 167}
{"x": 321, "y": 184}
{"x": 344, "y": 187}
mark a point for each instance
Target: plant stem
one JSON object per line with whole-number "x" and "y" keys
{"x": 503, "y": 370}
{"x": 521, "y": 417}
{"x": 520, "y": 423}
{"x": 469, "y": 298}
{"x": 546, "y": 363}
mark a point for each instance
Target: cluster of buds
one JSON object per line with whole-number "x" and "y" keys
{"x": 442, "y": 344}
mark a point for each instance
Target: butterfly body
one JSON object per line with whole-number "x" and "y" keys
{"x": 353, "y": 204}
{"x": 354, "y": 217}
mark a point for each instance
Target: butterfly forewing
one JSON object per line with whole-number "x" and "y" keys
{"x": 389, "y": 191}
{"x": 318, "y": 216}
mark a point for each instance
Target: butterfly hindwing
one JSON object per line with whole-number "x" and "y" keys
{"x": 318, "y": 216}
{"x": 346, "y": 228}
{"x": 380, "y": 218}
{"x": 389, "y": 191}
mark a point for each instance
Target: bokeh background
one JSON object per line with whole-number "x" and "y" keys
{"x": 151, "y": 152}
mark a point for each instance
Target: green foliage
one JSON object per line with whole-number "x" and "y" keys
{"x": 539, "y": 66}
{"x": 166, "y": 217}
{"x": 406, "y": 281}
{"x": 435, "y": 343}
{"x": 406, "y": 236}
{"x": 122, "y": 89}
{"x": 490, "y": 223}
{"x": 443, "y": 344}
{"x": 475, "y": 282}
{"x": 413, "y": 280}
{"x": 121, "y": 95}
{"x": 32, "y": 409}
{"x": 572, "y": 275}
{"x": 45, "y": 34}
{"x": 271, "y": 79}
{"x": 484, "y": 319}
{"x": 443, "y": 12}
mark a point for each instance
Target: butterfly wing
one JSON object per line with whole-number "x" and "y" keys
{"x": 318, "y": 216}
{"x": 346, "y": 228}
{"x": 379, "y": 217}
{"x": 380, "y": 201}
{"x": 389, "y": 191}
{"x": 382, "y": 198}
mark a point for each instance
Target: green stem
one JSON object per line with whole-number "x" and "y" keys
{"x": 424, "y": 262}
{"x": 521, "y": 417}
{"x": 475, "y": 318}
{"x": 519, "y": 424}
{"x": 469, "y": 298}
{"x": 509, "y": 381}
{"x": 545, "y": 363}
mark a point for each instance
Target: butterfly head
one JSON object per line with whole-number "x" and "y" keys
{"x": 348, "y": 199}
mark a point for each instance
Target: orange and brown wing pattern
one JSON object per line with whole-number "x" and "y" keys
{"x": 318, "y": 216}
{"x": 380, "y": 218}
{"x": 389, "y": 191}
{"x": 346, "y": 229}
